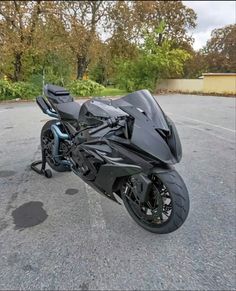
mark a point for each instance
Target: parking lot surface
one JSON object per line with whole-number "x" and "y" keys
{"x": 85, "y": 241}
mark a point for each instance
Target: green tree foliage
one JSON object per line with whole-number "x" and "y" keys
{"x": 153, "y": 63}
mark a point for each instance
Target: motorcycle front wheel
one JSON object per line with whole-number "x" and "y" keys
{"x": 167, "y": 207}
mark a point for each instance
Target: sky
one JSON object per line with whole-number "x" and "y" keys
{"x": 210, "y": 15}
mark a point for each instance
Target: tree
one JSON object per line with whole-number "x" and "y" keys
{"x": 100, "y": 69}
{"x": 220, "y": 50}
{"x": 154, "y": 62}
{"x": 195, "y": 66}
{"x": 130, "y": 20}
{"x": 61, "y": 37}
{"x": 18, "y": 21}
{"x": 81, "y": 19}
{"x": 124, "y": 28}
{"x": 176, "y": 17}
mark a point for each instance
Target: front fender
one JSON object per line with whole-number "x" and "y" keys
{"x": 161, "y": 169}
{"x": 108, "y": 173}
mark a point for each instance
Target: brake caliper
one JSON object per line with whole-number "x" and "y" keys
{"x": 142, "y": 186}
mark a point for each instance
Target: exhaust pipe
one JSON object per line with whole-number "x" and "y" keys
{"x": 57, "y": 136}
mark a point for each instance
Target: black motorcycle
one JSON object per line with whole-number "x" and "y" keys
{"x": 123, "y": 148}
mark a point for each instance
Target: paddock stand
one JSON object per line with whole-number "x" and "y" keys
{"x": 43, "y": 171}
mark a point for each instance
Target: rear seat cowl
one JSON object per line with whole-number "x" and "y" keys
{"x": 57, "y": 94}
{"x": 56, "y": 90}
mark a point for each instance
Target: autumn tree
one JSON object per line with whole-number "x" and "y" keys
{"x": 195, "y": 66}
{"x": 129, "y": 20}
{"x": 175, "y": 16}
{"x": 49, "y": 54}
{"x": 57, "y": 37}
{"x": 81, "y": 19}
{"x": 220, "y": 50}
{"x": 18, "y": 22}
{"x": 124, "y": 30}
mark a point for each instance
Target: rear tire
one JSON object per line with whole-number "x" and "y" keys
{"x": 46, "y": 131}
{"x": 179, "y": 197}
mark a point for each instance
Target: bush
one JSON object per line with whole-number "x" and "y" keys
{"x": 85, "y": 88}
{"x": 23, "y": 90}
{"x": 153, "y": 62}
{"x": 148, "y": 68}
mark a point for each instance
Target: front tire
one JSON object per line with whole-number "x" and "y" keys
{"x": 161, "y": 218}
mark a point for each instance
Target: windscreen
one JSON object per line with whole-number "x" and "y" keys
{"x": 145, "y": 101}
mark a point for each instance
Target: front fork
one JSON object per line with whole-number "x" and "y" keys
{"x": 141, "y": 187}
{"x": 142, "y": 183}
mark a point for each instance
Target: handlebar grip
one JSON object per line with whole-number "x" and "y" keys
{"x": 111, "y": 122}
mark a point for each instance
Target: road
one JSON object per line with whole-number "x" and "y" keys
{"x": 84, "y": 241}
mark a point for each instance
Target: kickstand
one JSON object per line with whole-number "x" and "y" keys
{"x": 43, "y": 171}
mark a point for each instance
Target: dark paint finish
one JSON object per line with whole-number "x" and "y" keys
{"x": 29, "y": 214}
{"x": 68, "y": 111}
{"x": 136, "y": 122}
{"x": 106, "y": 143}
{"x": 144, "y": 101}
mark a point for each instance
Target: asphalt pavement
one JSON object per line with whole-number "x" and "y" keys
{"x": 60, "y": 234}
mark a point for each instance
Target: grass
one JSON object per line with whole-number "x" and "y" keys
{"x": 111, "y": 91}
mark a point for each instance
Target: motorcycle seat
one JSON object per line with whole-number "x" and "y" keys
{"x": 68, "y": 111}
{"x": 57, "y": 94}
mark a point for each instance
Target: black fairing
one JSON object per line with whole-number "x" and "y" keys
{"x": 173, "y": 141}
{"x": 152, "y": 132}
{"x": 93, "y": 111}
{"x": 68, "y": 111}
{"x": 144, "y": 100}
{"x": 146, "y": 138}
{"x": 115, "y": 139}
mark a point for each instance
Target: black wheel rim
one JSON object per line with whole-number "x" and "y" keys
{"x": 157, "y": 211}
{"x": 47, "y": 145}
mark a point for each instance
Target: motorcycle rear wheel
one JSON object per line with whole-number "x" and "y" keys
{"x": 46, "y": 138}
{"x": 168, "y": 205}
